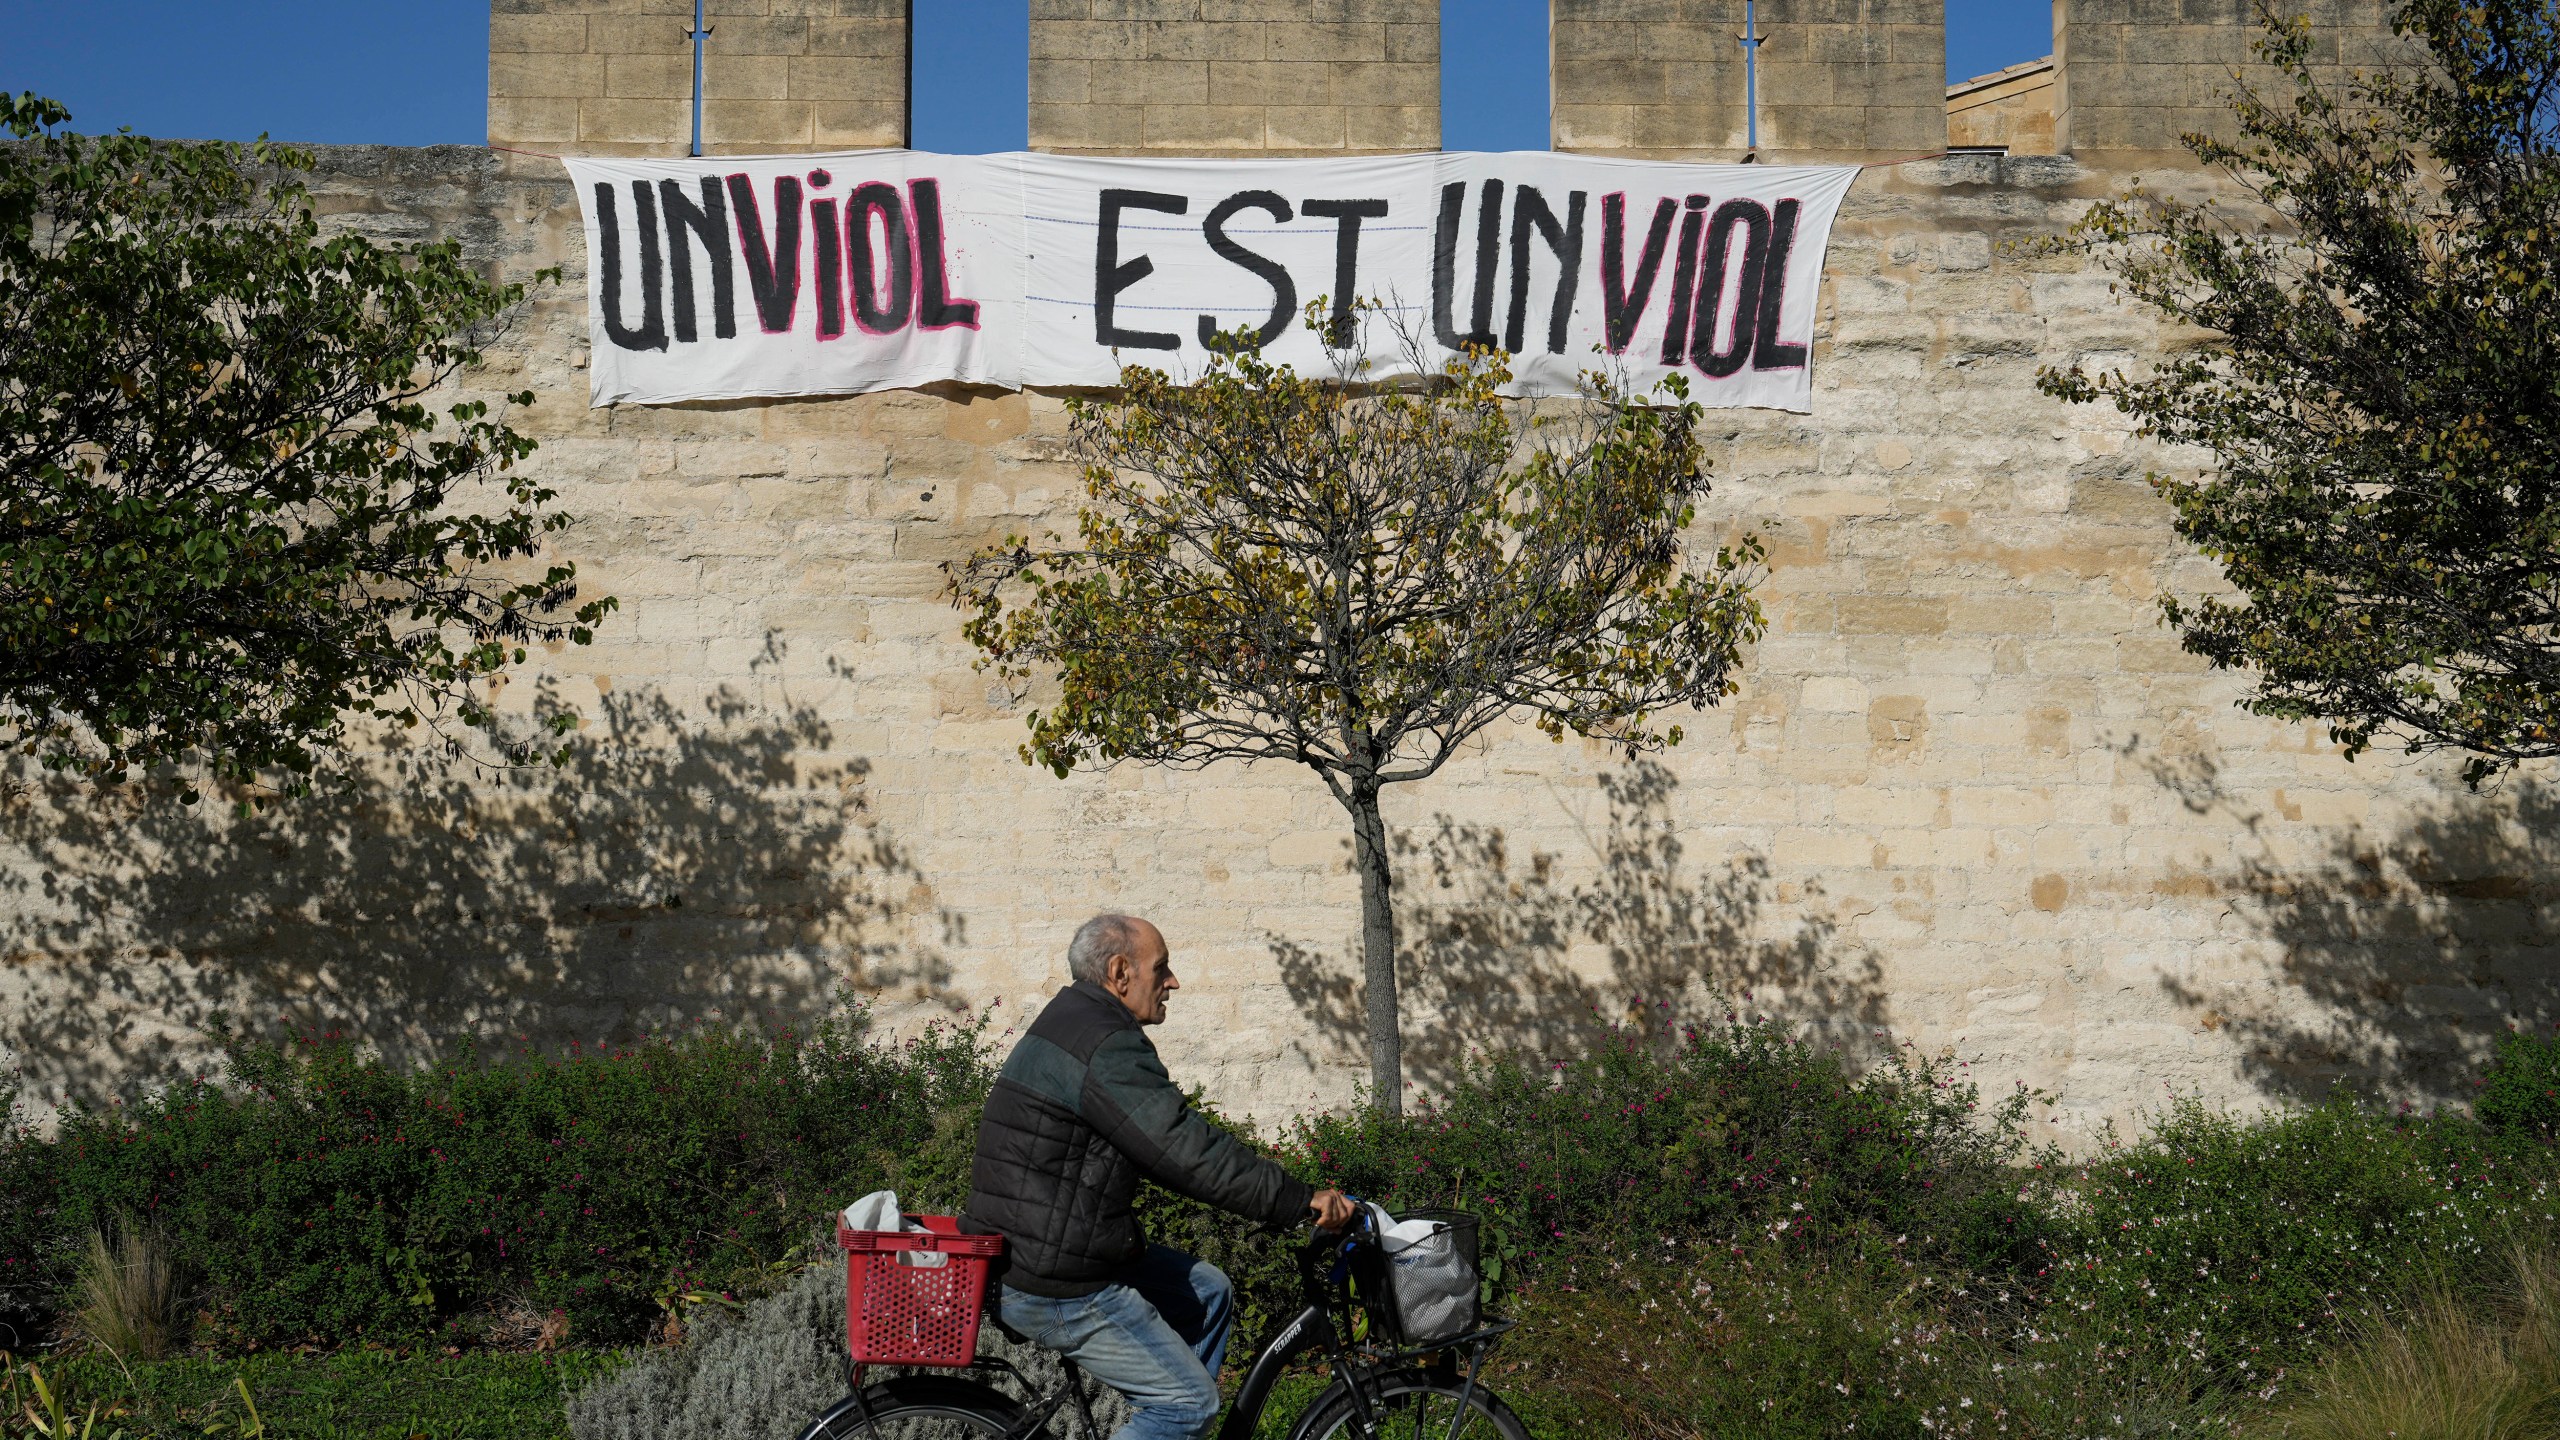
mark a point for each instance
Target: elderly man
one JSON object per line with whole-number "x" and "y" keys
{"x": 1083, "y": 1109}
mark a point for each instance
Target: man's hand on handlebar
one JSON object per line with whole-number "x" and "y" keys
{"x": 1332, "y": 1209}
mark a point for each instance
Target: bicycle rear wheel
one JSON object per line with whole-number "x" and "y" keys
{"x": 918, "y": 1407}
{"x": 1410, "y": 1405}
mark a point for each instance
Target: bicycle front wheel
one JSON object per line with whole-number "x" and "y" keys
{"x": 1409, "y": 1405}
{"x": 918, "y": 1407}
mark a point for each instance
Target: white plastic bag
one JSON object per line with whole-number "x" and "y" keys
{"x": 1429, "y": 1281}
{"x": 879, "y": 1211}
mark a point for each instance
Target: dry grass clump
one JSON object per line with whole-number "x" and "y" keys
{"x": 129, "y": 1292}
{"x": 2450, "y": 1369}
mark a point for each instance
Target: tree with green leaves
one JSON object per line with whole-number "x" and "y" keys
{"x": 232, "y": 514}
{"x": 2380, "y": 388}
{"x": 1360, "y": 578}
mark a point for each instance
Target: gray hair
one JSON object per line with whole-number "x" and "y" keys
{"x": 1097, "y": 940}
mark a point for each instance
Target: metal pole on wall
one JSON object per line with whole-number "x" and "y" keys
{"x": 699, "y": 33}
{"x": 1751, "y": 38}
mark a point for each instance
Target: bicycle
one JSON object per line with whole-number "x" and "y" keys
{"x": 1381, "y": 1390}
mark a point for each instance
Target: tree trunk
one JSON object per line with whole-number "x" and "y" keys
{"x": 1378, "y": 948}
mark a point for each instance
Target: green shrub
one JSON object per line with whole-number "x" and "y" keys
{"x": 2520, "y": 1093}
{"x": 351, "y": 1395}
{"x": 2452, "y": 1368}
{"x": 1684, "y": 1183}
{"x": 1766, "y": 1342}
{"x": 1742, "y": 1131}
{"x": 321, "y": 1195}
{"x": 2241, "y": 1242}
{"x": 36, "y": 1255}
{"x": 318, "y": 1194}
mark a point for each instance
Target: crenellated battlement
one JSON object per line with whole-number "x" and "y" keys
{"x": 1839, "y": 80}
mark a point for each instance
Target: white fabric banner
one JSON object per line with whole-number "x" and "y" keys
{"x": 725, "y": 278}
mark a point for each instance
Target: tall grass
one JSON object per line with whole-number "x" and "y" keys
{"x": 129, "y": 1291}
{"x": 2452, "y": 1368}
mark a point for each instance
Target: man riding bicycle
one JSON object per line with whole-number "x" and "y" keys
{"x": 1081, "y": 1112}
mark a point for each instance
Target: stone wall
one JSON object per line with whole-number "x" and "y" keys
{"x": 2010, "y": 110}
{"x": 615, "y": 77}
{"x": 1971, "y": 792}
{"x": 1273, "y": 77}
{"x": 2135, "y": 75}
{"x": 1838, "y": 79}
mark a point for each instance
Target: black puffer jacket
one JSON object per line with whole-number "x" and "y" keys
{"x": 1082, "y": 1109}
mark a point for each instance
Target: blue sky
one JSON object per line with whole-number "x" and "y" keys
{"x": 415, "y": 72}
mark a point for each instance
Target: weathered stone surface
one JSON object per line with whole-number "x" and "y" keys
{"x": 2133, "y": 76}
{"x": 616, "y": 76}
{"x": 1854, "y": 80}
{"x": 2008, "y": 108}
{"x": 1282, "y": 77}
{"x": 1971, "y": 789}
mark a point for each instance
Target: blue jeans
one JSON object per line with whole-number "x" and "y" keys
{"x": 1158, "y": 1339}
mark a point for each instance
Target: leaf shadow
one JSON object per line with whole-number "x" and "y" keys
{"x": 1497, "y": 953}
{"x": 691, "y": 863}
{"x": 2401, "y": 953}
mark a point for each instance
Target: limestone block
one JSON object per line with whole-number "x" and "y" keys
{"x": 1311, "y": 850}
{"x": 881, "y": 37}
{"x": 1392, "y": 128}
{"x": 1154, "y": 82}
{"x": 547, "y": 75}
{"x": 634, "y": 121}
{"x": 1205, "y": 127}
{"x": 1088, "y": 127}
{"x": 533, "y": 122}
{"x": 1324, "y": 43}
{"x": 537, "y": 34}
{"x": 1307, "y": 127}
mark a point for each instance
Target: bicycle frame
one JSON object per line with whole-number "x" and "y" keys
{"x": 1326, "y": 1323}
{"x": 1315, "y": 1328}
{"x": 1312, "y": 1330}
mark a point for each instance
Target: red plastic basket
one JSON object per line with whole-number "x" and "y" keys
{"x": 914, "y": 1314}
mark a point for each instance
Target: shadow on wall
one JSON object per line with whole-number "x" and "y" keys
{"x": 1496, "y": 956}
{"x": 682, "y": 867}
{"x": 2401, "y": 957}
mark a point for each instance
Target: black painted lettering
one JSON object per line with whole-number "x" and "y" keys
{"x": 1284, "y": 291}
{"x": 1767, "y": 353}
{"x": 652, "y": 334}
{"x": 1111, "y": 275}
{"x": 1684, "y": 269}
{"x": 1488, "y": 263}
{"x": 1444, "y": 263}
{"x": 1563, "y": 240}
{"x": 1754, "y": 220}
{"x": 708, "y": 223}
{"x": 773, "y": 272}
{"x": 830, "y": 252}
{"x": 935, "y": 308}
{"x": 882, "y": 303}
{"x": 1346, "y": 215}
{"x": 1622, "y": 305}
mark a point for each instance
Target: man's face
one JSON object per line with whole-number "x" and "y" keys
{"x": 1142, "y": 980}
